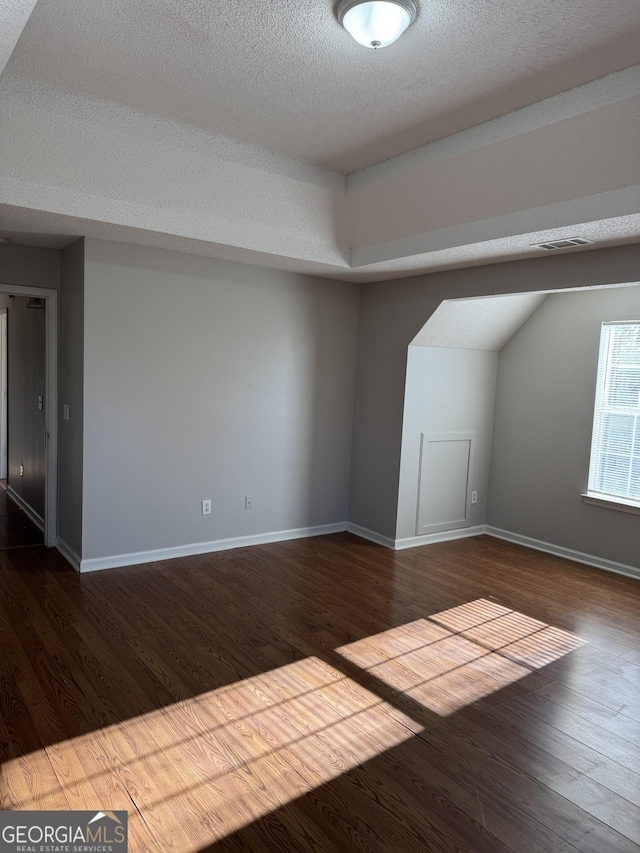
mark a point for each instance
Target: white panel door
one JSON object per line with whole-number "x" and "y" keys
{"x": 446, "y": 463}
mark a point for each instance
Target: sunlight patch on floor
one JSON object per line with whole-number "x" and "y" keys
{"x": 457, "y": 657}
{"x": 203, "y": 768}
{"x": 191, "y": 773}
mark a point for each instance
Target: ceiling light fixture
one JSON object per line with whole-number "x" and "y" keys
{"x": 376, "y": 23}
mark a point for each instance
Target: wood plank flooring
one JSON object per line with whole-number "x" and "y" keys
{"x": 328, "y": 695}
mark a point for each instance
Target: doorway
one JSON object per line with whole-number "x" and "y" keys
{"x": 32, "y": 470}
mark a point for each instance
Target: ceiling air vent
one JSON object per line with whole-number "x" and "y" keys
{"x": 567, "y": 243}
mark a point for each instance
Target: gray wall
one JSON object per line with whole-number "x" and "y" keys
{"x": 200, "y": 378}
{"x": 29, "y": 266}
{"x": 392, "y": 314}
{"x": 206, "y": 379}
{"x": 26, "y": 361}
{"x": 542, "y": 434}
{"x": 71, "y": 382}
{"x": 447, "y": 390}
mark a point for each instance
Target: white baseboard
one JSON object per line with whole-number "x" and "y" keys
{"x": 517, "y": 538}
{"x": 444, "y": 536}
{"x": 371, "y": 535}
{"x": 568, "y": 553}
{"x": 69, "y": 554}
{"x": 139, "y": 557}
{"x": 37, "y": 519}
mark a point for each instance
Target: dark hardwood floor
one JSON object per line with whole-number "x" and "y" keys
{"x": 328, "y": 695}
{"x": 16, "y": 528}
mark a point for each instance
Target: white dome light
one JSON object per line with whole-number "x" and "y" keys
{"x": 376, "y": 23}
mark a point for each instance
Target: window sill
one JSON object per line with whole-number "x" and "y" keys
{"x": 620, "y": 504}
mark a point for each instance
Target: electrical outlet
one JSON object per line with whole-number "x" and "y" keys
{"x": 474, "y": 497}
{"x": 206, "y": 507}
{"x": 248, "y": 502}
{"x": 65, "y": 411}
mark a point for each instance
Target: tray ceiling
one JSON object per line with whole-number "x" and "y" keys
{"x": 285, "y": 76}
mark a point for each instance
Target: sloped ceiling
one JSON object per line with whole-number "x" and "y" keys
{"x": 249, "y": 132}
{"x": 486, "y": 323}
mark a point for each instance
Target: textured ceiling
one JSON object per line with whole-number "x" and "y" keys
{"x": 481, "y": 324}
{"x": 286, "y": 77}
{"x": 224, "y": 129}
{"x": 15, "y": 14}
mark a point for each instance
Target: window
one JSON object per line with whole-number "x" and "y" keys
{"x": 614, "y": 471}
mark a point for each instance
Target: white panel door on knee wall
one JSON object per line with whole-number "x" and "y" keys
{"x": 446, "y": 468}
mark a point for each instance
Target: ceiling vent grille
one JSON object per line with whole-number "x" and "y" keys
{"x": 567, "y": 243}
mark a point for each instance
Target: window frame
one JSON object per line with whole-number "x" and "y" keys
{"x": 611, "y": 500}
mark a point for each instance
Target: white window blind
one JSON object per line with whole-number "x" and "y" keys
{"x": 614, "y": 470}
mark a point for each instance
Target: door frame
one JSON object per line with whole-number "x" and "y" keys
{"x": 51, "y": 407}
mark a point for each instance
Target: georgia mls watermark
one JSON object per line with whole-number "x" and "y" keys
{"x": 63, "y": 832}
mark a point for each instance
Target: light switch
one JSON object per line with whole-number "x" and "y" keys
{"x": 65, "y": 411}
